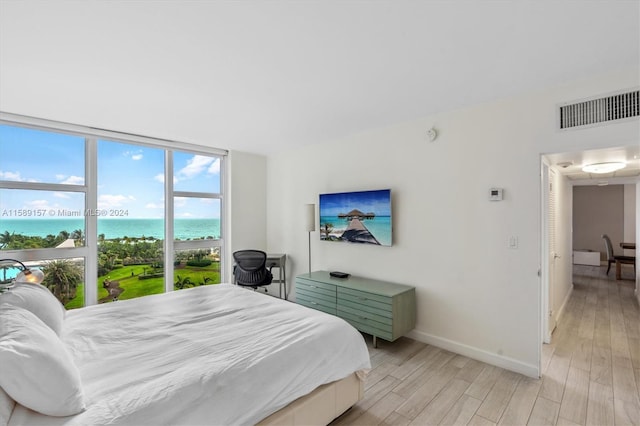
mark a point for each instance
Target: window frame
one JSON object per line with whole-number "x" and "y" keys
{"x": 90, "y": 189}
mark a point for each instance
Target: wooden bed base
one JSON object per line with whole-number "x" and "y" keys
{"x": 321, "y": 406}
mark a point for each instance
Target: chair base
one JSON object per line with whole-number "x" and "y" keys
{"x": 254, "y": 287}
{"x": 619, "y": 260}
{"x": 619, "y": 263}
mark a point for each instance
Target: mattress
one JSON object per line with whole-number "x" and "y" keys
{"x": 207, "y": 355}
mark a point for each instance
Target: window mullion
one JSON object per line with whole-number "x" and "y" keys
{"x": 91, "y": 221}
{"x": 168, "y": 220}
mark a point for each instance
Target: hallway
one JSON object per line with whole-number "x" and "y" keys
{"x": 591, "y": 372}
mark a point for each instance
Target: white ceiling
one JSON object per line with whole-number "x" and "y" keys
{"x": 264, "y": 76}
{"x": 570, "y": 165}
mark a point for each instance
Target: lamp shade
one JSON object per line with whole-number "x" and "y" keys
{"x": 32, "y": 276}
{"x": 310, "y": 217}
{"x": 26, "y": 275}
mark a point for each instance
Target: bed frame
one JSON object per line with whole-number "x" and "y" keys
{"x": 322, "y": 405}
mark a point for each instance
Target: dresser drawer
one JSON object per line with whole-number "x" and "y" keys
{"x": 363, "y": 313}
{"x": 317, "y": 304}
{"x": 316, "y": 287}
{"x": 381, "y": 303}
{"x": 369, "y": 327}
{"x": 365, "y": 319}
{"x": 312, "y": 295}
{"x": 386, "y": 312}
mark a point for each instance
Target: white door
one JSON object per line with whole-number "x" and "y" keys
{"x": 548, "y": 249}
{"x": 553, "y": 253}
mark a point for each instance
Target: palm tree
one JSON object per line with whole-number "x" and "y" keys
{"x": 6, "y": 239}
{"x": 328, "y": 227}
{"x": 78, "y": 236}
{"x": 183, "y": 283}
{"x": 62, "y": 277}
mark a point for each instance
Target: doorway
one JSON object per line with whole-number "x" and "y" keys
{"x": 560, "y": 173}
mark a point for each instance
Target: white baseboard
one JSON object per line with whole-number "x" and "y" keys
{"x": 564, "y": 305}
{"x": 477, "y": 354}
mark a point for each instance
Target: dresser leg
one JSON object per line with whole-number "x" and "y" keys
{"x": 375, "y": 342}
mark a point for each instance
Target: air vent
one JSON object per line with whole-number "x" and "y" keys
{"x": 609, "y": 108}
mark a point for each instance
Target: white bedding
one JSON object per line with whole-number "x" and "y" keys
{"x": 215, "y": 355}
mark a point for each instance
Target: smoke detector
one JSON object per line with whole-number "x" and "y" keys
{"x": 432, "y": 134}
{"x": 565, "y": 164}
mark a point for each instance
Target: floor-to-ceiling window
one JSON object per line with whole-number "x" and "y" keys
{"x": 196, "y": 219}
{"x": 116, "y": 216}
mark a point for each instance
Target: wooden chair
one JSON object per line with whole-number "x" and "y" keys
{"x": 618, "y": 260}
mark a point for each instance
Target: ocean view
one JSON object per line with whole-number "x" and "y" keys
{"x": 379, "y": 226}
{"x": 114, "y": 228}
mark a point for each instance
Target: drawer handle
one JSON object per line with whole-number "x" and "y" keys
{"x": 362, "y": 298}
{"x": 363, "y": 318}
{"x": 313, "y": 303}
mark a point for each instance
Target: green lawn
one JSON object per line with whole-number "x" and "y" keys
{"x": 133, "y": 287}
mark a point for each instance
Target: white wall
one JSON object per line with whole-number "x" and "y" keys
{"x": 474, "y": 294}
{"x": 247, "y": 194}
{"x": 637, "y": 239}
{"x": 629, "y": 231}
{"x": 599, "y": 210}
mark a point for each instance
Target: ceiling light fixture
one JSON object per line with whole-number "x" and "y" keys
{"x": 604, "y": 167}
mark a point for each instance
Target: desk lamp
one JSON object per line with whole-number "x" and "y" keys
{"x": 26, "y": 275}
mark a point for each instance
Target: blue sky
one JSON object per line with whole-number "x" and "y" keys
{"x": 130, "y": 177}
{"x": 378, "y": 202}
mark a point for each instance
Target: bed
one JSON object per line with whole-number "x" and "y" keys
{"x": 214, "y": 354}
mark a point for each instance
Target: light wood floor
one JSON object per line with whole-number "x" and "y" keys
{"x": 591, "y": 373}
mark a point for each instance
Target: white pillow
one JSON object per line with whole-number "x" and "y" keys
{"x": 37, "y": 370}
{"x": 39, "y": 300}
{"x": 6, "y": 407}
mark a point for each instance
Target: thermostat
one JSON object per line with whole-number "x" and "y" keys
{"x": 495, "y": 194}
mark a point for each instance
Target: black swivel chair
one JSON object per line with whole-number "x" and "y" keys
{"x": 250, "y": 269}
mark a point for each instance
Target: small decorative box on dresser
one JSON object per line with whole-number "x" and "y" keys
{"x": 380, "y": 308}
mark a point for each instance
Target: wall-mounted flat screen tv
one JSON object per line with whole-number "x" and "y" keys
{"x": 356, "y": 217}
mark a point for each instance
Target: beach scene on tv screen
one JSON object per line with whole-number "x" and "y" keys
{"x": 356, "y": 217}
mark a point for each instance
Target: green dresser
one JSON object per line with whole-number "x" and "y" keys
{"x": 380, "y": 308}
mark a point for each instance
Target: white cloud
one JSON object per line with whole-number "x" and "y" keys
{"x": 195, "y": 166}
{"x": 61, "y": 195}
{"x": 60, "y": 177}
{"x": 180, "y": 201}
{"x": 106, "y": 201}
{"x": 74, "y": 180}
{"x": 154, "y": 206}
{"x": 214, "y": 168}
{"x": 134, "y": 155}
{"x": 187, "y": 214}
{"x": 39, "y": 204}
{"x": 14, "y": 176}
